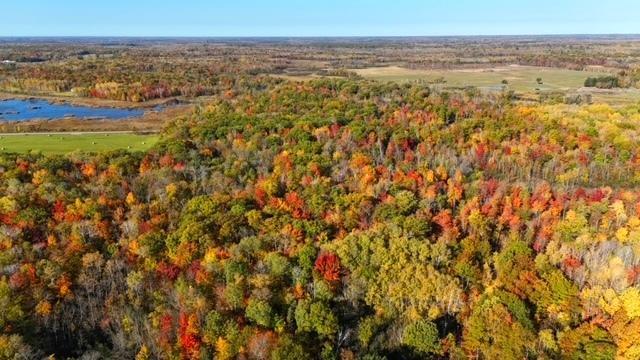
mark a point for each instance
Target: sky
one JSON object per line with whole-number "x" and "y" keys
{"x": 317, "y": 17}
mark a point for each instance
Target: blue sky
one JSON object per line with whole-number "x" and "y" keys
{"x": 316, "y": 17}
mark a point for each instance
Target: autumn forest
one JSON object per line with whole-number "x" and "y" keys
{"x": 296, "y": 208}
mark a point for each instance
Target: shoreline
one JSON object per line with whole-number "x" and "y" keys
{"x": 141, "y": 132}
{"x": 93, "y": 102}
{"x": 150, "y": 120}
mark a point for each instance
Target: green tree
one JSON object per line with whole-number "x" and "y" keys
{"x": 316, "y": 316}
{"x": 422, "y": 336}
{"x": 260, "y": 312}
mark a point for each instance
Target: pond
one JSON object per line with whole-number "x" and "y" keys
{"x": 30, "y": 109}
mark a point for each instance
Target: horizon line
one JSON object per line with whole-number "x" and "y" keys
{"x": 313, "y": 36}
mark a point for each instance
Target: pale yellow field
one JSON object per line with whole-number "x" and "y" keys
{"x": 522, "y": 79}
{"x": 519, "y": 78}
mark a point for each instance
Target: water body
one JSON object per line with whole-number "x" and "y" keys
{"x": 29, "y": 109}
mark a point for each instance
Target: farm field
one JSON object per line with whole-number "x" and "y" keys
{"x": 613, "y": 97}
{"x": 522, "y": 79}
{"x": 519, "y": 78}
{"x": 69, "y": 142}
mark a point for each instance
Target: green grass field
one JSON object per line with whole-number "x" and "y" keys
{"x": 69, "y": 142}
{"x": 615, "y": 96}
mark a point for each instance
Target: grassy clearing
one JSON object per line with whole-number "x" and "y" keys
{"x": 522, "y": 79}
{"x": 69, "y": 142}
{"x": 296, "y": 77}
{"x": 615, "y": 96}
{"x": 519, "y": 78}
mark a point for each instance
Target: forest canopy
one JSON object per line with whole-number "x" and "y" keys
{"x": 334, "y": 218}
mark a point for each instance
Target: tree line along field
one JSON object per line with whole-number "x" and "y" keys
{"x": 60, "y": 143}
{"x": 336, "y": 218}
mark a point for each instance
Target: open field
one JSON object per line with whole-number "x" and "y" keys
{"x": 296, "y": 77}
{"x": 519, "y": 78}
{"x": 52, "y": 143}
{"x": 614, "y": 96}
{"x": 522, "y": 79}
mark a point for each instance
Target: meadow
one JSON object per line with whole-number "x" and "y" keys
{"x": 518, "y": 78}
{"x": 521, "y": 79}
{"x": 69, "y": 142}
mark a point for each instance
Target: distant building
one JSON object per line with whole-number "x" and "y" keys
{"x": 8, "y": 62}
